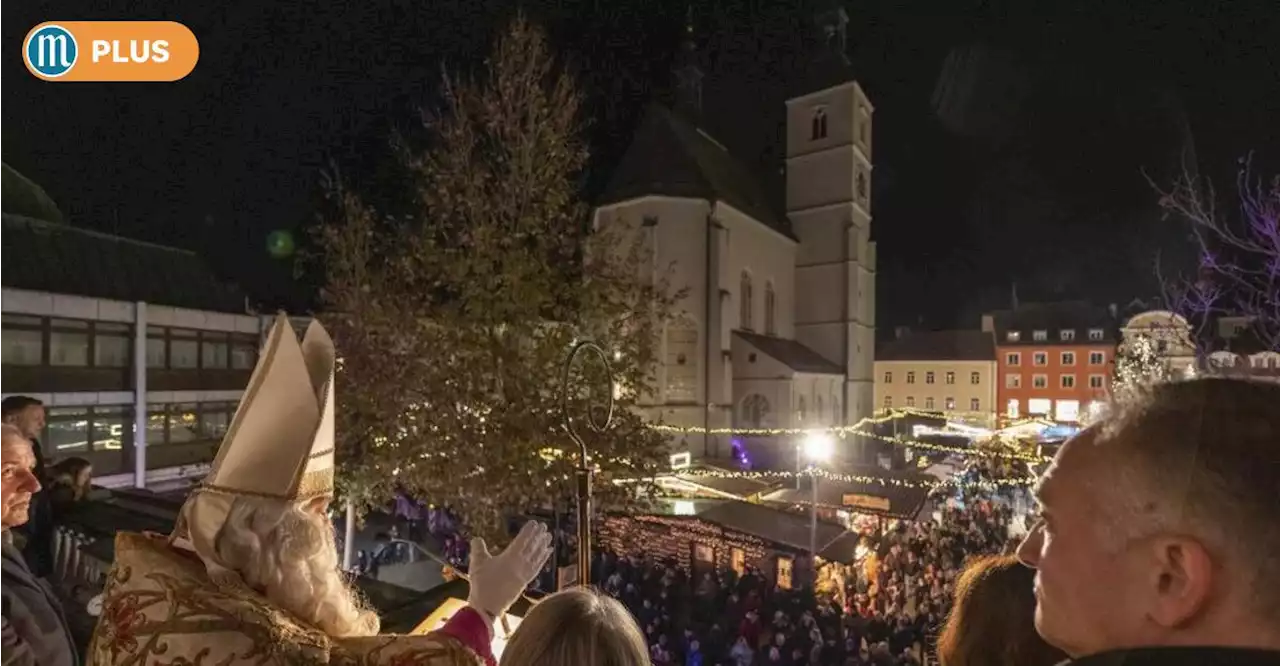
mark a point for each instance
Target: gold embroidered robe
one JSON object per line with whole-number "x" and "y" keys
{"x": 159, "y": 607}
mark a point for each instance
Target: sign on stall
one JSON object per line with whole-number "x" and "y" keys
{"x": 860, "y": 501}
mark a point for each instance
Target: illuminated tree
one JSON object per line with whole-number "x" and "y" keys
{"x": 453, "y": 327}
{"x": 1239, "y": 271}
{"x": 1138, "y": 365}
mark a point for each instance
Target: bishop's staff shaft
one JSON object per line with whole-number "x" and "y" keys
{"x": 583, "y": 474}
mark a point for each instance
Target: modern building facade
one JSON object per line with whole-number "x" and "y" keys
{"x": 777, "y": 330}
{"x": 138, "y": 351}
{"x": 1053, "y": 359}
{"x": 949, "y": 372}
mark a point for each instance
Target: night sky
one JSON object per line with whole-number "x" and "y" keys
{"x": 1011, "y": 137}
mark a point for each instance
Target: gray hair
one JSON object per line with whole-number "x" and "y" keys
{"x": 1203, "y": 455}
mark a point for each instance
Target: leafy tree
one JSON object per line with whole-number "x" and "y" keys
{"x": 453, "y": 327}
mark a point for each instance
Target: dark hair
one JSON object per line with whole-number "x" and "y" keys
{"x": 1206, "y": 450}
{"x": 70, "y": 467}
{"x": 14, "y": 404}
{"x": 992, "y": 622}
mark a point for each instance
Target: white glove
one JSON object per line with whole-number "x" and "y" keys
{"x": 498, "y": 580}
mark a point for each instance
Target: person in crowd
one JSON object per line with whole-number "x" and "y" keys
{"x": 1159, "y": 530}
{"x": 35, "y": 628}
{"x": 27, "y": 415}
{"x": 992, "y": 620}
{"x": 70, "y": 480}
{"x": 253, "y": 561}
{"x": 577, "y": 626}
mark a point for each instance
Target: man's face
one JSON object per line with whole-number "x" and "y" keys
{"x": 1086, "y": 586}
{"x": 19, "y": 481}
{"x": 30, "y": 421}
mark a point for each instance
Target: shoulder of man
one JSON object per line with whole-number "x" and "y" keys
{"x": 1180, "y": 656}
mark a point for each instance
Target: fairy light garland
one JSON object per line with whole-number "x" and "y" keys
{"x": 886, "y": 482}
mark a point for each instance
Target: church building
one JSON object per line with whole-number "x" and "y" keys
{"x": 778, "y": 327}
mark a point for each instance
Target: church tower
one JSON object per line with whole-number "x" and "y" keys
{"x": 688, "y": 75}
{"x": 828, "y": 199}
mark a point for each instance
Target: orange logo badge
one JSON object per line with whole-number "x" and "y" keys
{"x": 110, "y": 51}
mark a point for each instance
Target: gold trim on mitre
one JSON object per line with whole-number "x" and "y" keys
{"x": 280, "y": 442}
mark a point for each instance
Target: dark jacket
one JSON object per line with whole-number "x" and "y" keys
{"x": 35, "y": 629}
{"x": 1181, "y": 656}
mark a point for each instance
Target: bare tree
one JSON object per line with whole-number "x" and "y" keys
{"x": 1239, "y": 253}
{"x": 452, "y": 328}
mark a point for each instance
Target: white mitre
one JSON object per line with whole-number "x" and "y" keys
{"x": 279, "y": 445}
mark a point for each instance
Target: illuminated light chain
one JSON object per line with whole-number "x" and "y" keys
{"x": 855, "y": 478}
{"x": 855, "y": 429}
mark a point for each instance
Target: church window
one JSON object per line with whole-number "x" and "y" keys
{"x": 682, "y": 361}
{"x": 755, "y": 411}
{"x": 862, "y": 185}
{"x": 819, "y": 124}
{"x": 770, "y": 316}
{"x": 744, "y": 308}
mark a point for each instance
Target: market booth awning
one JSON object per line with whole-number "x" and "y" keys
{"x": 898, "y": 495}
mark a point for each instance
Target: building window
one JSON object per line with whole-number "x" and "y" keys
{"x": 928, "y": 377}
{"x": 818, "y": 126}
{"x": 770, "y": 319}
{"x": 755, "y": 411}
{"x": 1013, "y": 336}
{"x": 888, "y": 377}
{"x": 928, "y": 402}
{"x": 1095, "y": 334}
{"x": 1096, "y": 381}
{"x": 111, "y": 345}
{"x": 860, "y": 182}
{"x": 1068, "y": 358}
{"x": 802, "y": 409}
{"x": 1040, "y": 358}
{"x": 1040, "y": 336}
{"x": 184, "y": 423}
{"x": 1013, "y": 358}
{"x": 1066, "y": 335}
{"x": 1097, "y": 358}
{"x": 888, "y": 402}
{"x": 950, "y": 403}
{"x": 975, "y": 405}
{"x": 682, "y": 362}
{"x": 23, "y": 340}
{"x": 911, "y": 401}
{"x": 1039, "y": 406}
{"x": 1068, "y": 381}
{"x": 911, "y": 376}
{"x": 1067, "y": 410}
{"x": 744, "y": 307}
{"x": 244, "y": 353}
{"x": 68, "y": 343}
{"x": 214, "y": 418}
{"x": 108, "y": 427}
{"x": 975, "y": 378}
{"x": 738, "y": 560}
{"x": 157, "y": 348}
{"x": 214, "y": 351}
{"x": 66, "y": 430}
{"x": 184, "y": 349}
{"x": 1039, "y": 381}
{"x": 784, "y": 572}
{"x": 1012, "y": 410}
{"x": 950, "y": 377}
{"x": 1013, "y": 380}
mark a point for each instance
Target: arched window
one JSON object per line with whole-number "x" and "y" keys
{"x": 818, "y": 126}
{"x": 682, "y": 361}
{"x": 861, "y": 185}
{"x": 744, "y": 307}
{"x": 755, "y": 411}
{"x": 770, "y": 317}
{"x": 801, "y": 408}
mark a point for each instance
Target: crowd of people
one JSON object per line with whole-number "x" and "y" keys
{"x": 1157, "y": 532}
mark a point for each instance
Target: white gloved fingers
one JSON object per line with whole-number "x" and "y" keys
{"x": 528, "y": 532}
{"x": 479, "y": 551}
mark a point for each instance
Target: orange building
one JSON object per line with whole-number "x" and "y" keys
{"x": 1052, "y": 359}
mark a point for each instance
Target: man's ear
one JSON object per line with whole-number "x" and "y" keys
{"x": 1181, "y": 579}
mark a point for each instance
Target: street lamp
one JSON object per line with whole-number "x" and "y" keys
{"x": 818, "y": 447}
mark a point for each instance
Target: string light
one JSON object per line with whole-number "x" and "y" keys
{"x": 882, "y": 481}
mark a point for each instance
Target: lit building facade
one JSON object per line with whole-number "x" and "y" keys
{"x": 949, "y": 372}
{"x": 1053, "y": 360}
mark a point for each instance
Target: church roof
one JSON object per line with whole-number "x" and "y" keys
{"x": 791, "y": 353}
{"x": 940, "y": 346}
{"x": 671, "y": 156}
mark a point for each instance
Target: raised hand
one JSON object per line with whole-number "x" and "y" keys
{"x": 498, "y": 580}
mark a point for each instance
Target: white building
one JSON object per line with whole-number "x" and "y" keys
{"x": 779, "y": 324}
{"x": 1170, "y": 334}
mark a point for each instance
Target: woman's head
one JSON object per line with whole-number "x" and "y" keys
{"x": 993, "y": 619}
{"x": 74, "y": 472}
{"x": 577, "y": 626}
